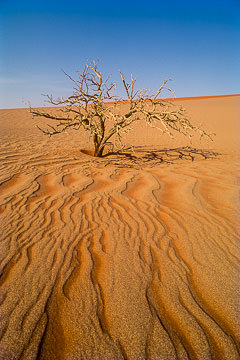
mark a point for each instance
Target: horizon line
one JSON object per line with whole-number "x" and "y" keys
{"x": 202, "y": 97}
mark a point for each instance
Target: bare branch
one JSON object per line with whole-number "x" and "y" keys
{"x": 160, "y": 89}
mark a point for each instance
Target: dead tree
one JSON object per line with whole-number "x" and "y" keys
{"x": 94, "y": 107}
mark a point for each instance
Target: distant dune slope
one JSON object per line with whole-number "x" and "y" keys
{"x": 108, "y": 259}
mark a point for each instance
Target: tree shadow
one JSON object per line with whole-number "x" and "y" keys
{"x": 142, "y": 155}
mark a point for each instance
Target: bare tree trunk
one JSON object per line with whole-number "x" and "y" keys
{"x": 99, "y": 147}
{"x": 99, "y": 151}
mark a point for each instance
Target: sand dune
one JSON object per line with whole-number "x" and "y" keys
{"x": 118, "y": 258}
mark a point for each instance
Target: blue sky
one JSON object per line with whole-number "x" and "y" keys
{"x": 195, "y": 43}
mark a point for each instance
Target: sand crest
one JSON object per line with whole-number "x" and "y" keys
{"x": 119, "y": 258}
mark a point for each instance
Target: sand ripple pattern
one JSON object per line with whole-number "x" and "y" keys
{"x": 102, "y": 262}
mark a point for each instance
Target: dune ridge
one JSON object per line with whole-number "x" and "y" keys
{"x": 115, "y": 259}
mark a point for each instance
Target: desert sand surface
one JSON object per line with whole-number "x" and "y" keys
{"x": 131, "y": 257}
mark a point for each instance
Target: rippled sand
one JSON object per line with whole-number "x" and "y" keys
{"x": 120, "y": 259}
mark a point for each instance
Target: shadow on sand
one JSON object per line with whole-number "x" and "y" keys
{"x": 142, "y": 155}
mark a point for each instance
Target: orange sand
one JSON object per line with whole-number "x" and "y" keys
{"x": 110, "y": 259}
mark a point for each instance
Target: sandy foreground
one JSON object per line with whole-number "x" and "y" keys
{"x": 121, "y": 258}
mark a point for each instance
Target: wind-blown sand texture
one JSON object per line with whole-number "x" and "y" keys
{"x": 121, "y": 258}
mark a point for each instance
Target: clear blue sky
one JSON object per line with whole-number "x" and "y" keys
{"x": 195, "y": 42}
